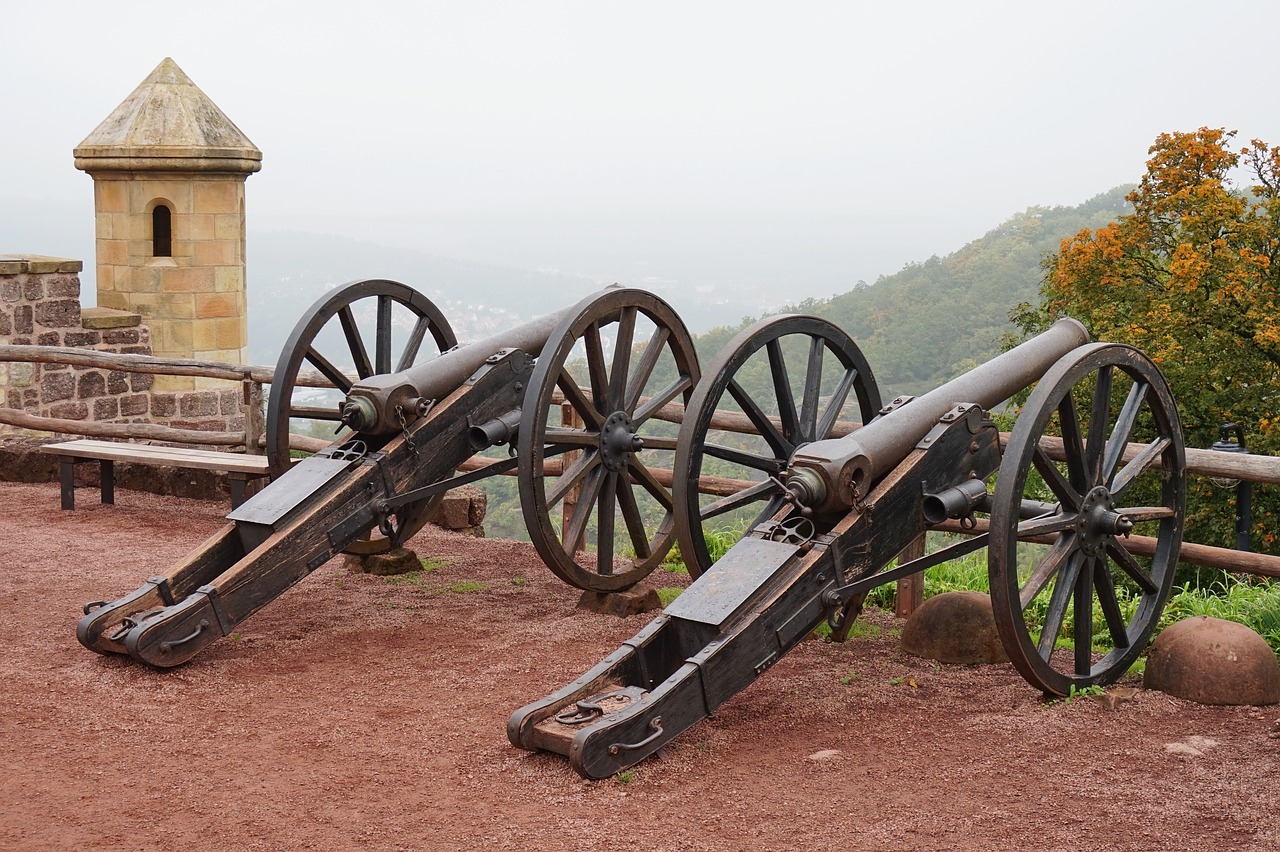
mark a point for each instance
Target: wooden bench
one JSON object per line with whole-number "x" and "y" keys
{"x": 239, "y": 467}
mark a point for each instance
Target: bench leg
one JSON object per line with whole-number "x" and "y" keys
{"x": 107, "y": 475}
{"x": 237, "y": 491}
{"x": 67, "y": 478}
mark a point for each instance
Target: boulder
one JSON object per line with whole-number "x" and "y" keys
{"x": 954, "y": 627}
{"x": 1212, "y": 661}
{"x": 626, "y": 602}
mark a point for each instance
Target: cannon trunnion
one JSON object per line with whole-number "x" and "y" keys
{"x": 1082, "y": 530}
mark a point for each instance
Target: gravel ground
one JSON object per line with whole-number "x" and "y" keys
{"x": 361, "y": 712}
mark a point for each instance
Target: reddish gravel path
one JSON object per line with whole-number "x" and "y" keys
{"x": 356, "y": 712}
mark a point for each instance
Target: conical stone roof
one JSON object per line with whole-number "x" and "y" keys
{"x": 167, "y": 124}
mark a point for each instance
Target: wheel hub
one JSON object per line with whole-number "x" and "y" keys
{"x": 1098, "y": 522}
{"x": 618, "y": 441}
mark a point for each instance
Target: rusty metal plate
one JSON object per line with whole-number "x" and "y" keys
{"x": 722, "y": 590}
{"x": 283, "y": 495}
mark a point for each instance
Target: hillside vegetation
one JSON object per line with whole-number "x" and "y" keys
{"x": 933, "y": 320}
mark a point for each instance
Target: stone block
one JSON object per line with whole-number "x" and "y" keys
{"x": 22, "y": 320}
{"x": 121, "y": 336}
{"x": 11, "y": 290}
{"x": 107, "y": 318}
{"x": 117, "y": 382}
{"x": 92, "y": 383}
{"x": 198, "y": 404}
{"x": 69, "y": 411}
{"x": 622, "y": 604}
{"x": 6, "y": 324}
{"x": 33, "y": 288}
{"x": 163, "y": 405}
{"x": 229, "y": 402}
{"x": 107, "y": 408}
{"x": 49, "y": 338}
{"x": 399, "y": 560}
{"x": 212, "y": 305}
{"x": 461, "y": 508}
{"x": 133, "y": 405}
{"x": 82, "y": 338}
{"x": 56, "y": 386}
{"x": 58, "y": 313}
{"x": 63, "y": 285}
{"x": 141, "y": 381}
{"x": 21, "y": 374}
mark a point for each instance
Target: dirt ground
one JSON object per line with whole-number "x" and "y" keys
{"x": 361, "y": 712}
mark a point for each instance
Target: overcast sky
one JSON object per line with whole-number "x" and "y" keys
{"x": 811, "y": 144}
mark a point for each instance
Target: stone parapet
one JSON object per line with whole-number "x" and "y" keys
{"x": 40, "y": 306}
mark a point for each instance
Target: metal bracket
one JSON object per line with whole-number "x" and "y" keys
{"x": 211, "y": 593}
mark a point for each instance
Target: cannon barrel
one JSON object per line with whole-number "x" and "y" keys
{"x": 375, "y": 405}
{"x": 836, "y": 473}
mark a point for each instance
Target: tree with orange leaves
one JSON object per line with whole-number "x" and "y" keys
{"x": 1192, "y": 278}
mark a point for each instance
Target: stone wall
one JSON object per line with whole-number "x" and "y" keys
{"x": 40, "y": 305}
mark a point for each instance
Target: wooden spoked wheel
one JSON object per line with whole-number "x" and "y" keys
{"x": 778, "y": 385}
{"x": 1087, "y": 519}
{"x": 333, "y": 338}
{"x": 592, "y": 448}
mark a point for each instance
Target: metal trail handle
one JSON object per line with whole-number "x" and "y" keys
{"x": 170, "y": 644}
{"x": 655, "y": 723}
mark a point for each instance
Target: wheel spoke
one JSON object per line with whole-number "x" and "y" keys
{"x": 644, "y": 476}
{"x": 745, "y": 497}
{"x": 595, "y": 367}
{"x": 605, "y": 523}
{"x": 777, "y": 442}
{"x": 743, "y": 458}
{"x": 1105, "y": 588}
{"x": 670, "y": 392}
{"x": 382, "y": 343}
{"x": 838, "y": 397}
{"x": 1138, "y": 514}
{"x": 812, "y": 389}
{"x": 644, "y": 369}
{"x": 1125, "y": 421}
{"x": 660, "y": 442}
{"x": 1063, "y": 490}
{"x": 1073, "y": 444}
{"x": 622, "y": 357}
{"x": 572, "y": 475}
{"x": 782, "y": 391}
{"x": 591, "y": 415}
{"x": 330, "y": 372}
{"x": 1082, "y": 634}
{"x": 577, "y": 526}
{"x": 1141, "y": 462}
{"x": 1046, "y": 569}
{"x": 1130, "y": 566}
{"x": 1058, "y": 601}
{"x": 355, "y": 344}
{"x": 574, "y": 437}
{"x": 1046, "y": 525}
{"x": 1099, "y": 417}
{"x": 631, "y": 516}
{"x": 414, "y": 344}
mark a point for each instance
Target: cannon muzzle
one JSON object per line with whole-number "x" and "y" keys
{"x": 847, "y": 467}
{"x": 386, "y": 403}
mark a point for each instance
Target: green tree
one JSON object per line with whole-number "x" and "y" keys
{"x": 1192, "y": 278}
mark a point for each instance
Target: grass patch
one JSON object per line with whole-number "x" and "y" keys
{"x": 669, "y": 593}
{"x": 466, "y": 586}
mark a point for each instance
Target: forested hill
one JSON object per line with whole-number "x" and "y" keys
{"x": 933, "y": 320}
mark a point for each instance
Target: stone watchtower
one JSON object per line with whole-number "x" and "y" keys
{"x": 169, "y": 171}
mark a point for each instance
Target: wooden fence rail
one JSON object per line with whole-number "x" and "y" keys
{"x": 1242, "y": 466}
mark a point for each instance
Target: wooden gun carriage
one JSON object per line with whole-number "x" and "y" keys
{"x": 1085, "y": 519}
{"x": 408, "y": 424}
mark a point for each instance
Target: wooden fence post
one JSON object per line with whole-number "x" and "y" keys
{"x": 910, "y": 589}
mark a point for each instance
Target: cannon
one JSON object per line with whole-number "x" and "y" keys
{"x": 1082, "y": 529}
{"x": 406, "y": 424}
